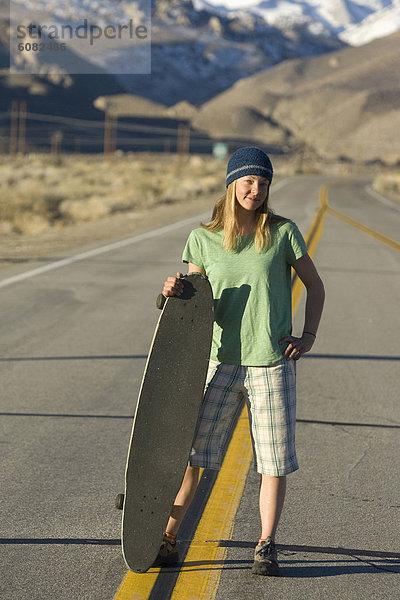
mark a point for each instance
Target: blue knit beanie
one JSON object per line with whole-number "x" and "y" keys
{"x": 248, "y": 160}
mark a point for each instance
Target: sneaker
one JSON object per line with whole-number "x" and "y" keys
{"x": 168, "y": 553}
{"x": 265, "y": 559}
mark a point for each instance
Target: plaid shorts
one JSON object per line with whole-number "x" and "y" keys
{"x": 270, "y": 395}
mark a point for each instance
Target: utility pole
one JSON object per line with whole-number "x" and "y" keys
{"x": 186, "y": 140}
{"x": 22, "y": 128}
{"x": 56, "y": 143}
{"x": 113, "y": 133}
{"x": 13, "y": 127}
{"x": 183, "y": 142}
{"x": 107, "y": 133}
{"x": 179, "y": 140}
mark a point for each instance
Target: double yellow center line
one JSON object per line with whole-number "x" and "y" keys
{"x": 375, "y": 234}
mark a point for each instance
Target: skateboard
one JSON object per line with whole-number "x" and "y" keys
{"x": 165, "y": 420}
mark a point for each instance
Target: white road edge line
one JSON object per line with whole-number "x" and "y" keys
{"x": 102, "y": 250}
{"x": 114, "y": 246}
{"x": 382, "y": 199}
{"x": 280, "y": 184}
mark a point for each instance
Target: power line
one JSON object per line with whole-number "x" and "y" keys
{"x": 97, "y": 124}
{"x": 83, "y": 133}
{"x": 100, "y": 124}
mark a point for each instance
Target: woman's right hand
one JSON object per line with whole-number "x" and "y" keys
{"x": 173, "y": 286}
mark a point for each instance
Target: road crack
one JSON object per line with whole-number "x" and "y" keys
{"x": 372, "y": 564}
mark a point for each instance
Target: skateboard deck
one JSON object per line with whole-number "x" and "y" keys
{"x": 166, "y": 415}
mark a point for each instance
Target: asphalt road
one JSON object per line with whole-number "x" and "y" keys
{"x": 73, "y": 347}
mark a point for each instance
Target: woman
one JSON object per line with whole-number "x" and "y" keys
{"x": 247, "y": 253}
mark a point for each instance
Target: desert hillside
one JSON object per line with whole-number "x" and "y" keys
{"x": 346, "y": 103}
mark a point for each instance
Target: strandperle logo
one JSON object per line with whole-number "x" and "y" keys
{"x": 85, "y": 31}
{"x": 79, "y": 38}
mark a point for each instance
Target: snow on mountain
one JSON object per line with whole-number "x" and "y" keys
{"x": 354, "y": 22}
{"x": 377, "y": 25}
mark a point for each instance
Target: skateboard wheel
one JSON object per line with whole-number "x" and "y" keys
{"x": 119, "y": 501}
{"x": 160, "y": 301}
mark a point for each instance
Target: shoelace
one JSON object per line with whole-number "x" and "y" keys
{"x": 167, "y": 543}
{"x": 266, "y": 550}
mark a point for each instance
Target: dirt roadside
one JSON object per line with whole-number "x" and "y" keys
{"x": 17, "y": 249}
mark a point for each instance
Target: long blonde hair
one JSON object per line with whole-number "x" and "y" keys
{"x": 224, "y": 217}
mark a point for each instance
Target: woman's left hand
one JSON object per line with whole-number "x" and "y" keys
{"x": 297, "y": 346}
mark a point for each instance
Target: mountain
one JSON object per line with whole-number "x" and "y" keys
{"x": 343, "y": 104}
{"x": 199, "y": 48}
{"x": 195, "y": 54}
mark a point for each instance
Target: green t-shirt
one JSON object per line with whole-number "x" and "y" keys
{"x": 252, "y": 292}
